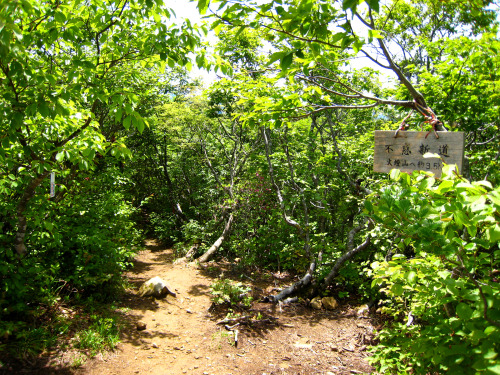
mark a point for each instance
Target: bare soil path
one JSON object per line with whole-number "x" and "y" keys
{"x": 182, "y": 335}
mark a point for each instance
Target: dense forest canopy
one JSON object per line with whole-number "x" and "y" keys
{"x": 271, "y": 163}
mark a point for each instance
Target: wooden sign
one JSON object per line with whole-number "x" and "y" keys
{"x": 406, "y": 151}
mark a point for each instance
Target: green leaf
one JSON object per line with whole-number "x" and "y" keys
{"x": 464, "y": 311}
{"x": 493, "y": 234}
{"x": 44, "y": 109}
{"x": 411, "y": 276}
{"x": 127, "y": 121}
{"x": 275, "y": 57}
{"x": 374, "y": 5}
{"x": 494, "y": 369}
{"x": 349, "y": 4}
{"x": 490, "y": 329}
{"x": 375, "y": 34}
{"x": 299, "y": 54}
{"x": 357, "y": 45}
{"x": 203, "y": 6}
{"x": 490, "y": 354}
{"x": 429, "y": 155}
{"x": 472, "y": 230}
{"x": 60, "y": 17}
{"x": 286, "y": 61}
{"x": 397, "y": 289}
{"x": 394, "y": 174}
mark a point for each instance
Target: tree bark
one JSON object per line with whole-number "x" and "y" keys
{"x": 189, "y": 255}
{"x": 301, "y": 284}
{"x": 22, "y": 222}
{"x": 351, "y": 251}
{"x": 217, "y": 244}
{"x": 287, "y": 218}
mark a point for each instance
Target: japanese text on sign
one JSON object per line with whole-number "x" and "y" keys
{"x": 406, "y": 151}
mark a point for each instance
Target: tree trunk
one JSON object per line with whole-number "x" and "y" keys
{"x": 22, "y": 224}
{"x": 217, "y": 244}
{"x": 301, "y": 284}
{"x": 344, "y": 258}
{"x": 189, "y": 255}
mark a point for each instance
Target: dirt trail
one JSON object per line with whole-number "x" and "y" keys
{"x": 182, "y": 335}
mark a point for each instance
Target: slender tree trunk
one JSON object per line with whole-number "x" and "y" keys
{"x": 287, "y": 218}
{"x": 22, "y": 223}
{"x": 217, "y": 244}
{"x": 172, "y": 197}
{"x": 351, "y": 251}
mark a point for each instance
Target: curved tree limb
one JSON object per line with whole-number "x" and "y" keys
{"x": 351, "y": 251}
{"x": 287, "y": 219}
{"x": 217, "y": 244}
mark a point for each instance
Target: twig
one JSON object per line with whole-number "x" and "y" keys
{"x": 230, "y": 328}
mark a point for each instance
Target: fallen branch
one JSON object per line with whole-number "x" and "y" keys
{"x": 230, "y": 328}
{"x": 245, "y": 320}
{"x": 189, "y": 255}
{"x": 217, "y": 244}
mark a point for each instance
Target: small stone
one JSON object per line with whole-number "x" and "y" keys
{"x": 316, "y": 303}
{"x": 329, "y": 303}
{"x": 141, "y": 326}
{"x": 303, "y": 343}
{"x": 189, "y": 311}
{"x": 363, "y": 310}
{"x": 154, "y": 345}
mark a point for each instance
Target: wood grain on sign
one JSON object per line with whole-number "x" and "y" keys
{"x": 406, "y": 151}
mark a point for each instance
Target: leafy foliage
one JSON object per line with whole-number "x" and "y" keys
{"x": 269, "y": 155}
{"x": 444, "y": 297}
{"x": 102, "y": 334}
{"x": 225, "y": 291}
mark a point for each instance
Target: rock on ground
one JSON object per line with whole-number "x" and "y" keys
{"x": 155, "y": 287}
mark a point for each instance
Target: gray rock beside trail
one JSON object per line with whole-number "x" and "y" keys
{"x": 155, "y": 287}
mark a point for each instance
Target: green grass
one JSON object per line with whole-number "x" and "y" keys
{"x": 102, "y": 334}
{"x": 90, "y": 327}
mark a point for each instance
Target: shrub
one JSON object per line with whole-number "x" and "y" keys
{"x": 444, "y": 297}
{"x": 225, "y": 291}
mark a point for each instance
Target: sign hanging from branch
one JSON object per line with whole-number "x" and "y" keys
{"x": 405, "y": 151}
